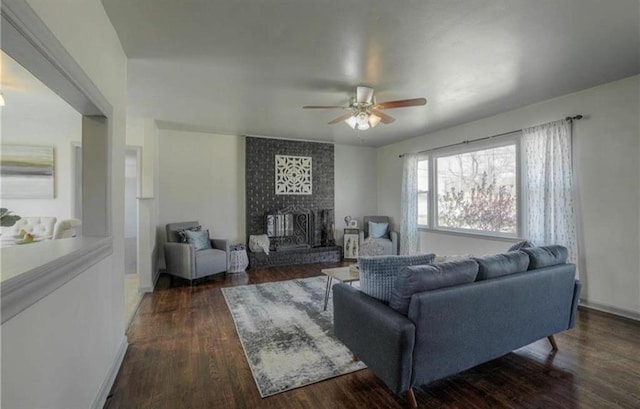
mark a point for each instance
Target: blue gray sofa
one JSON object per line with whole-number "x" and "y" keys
{"x": 444, "y": 318}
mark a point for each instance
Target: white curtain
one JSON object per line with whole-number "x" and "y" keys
{"x": 409, "y": 239}
{"x": 551, "y": 217}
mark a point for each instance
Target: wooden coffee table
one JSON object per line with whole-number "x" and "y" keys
{"x": 341, "y": 274}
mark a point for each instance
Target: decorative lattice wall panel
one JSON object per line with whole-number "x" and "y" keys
{"x": 293, "y": 175}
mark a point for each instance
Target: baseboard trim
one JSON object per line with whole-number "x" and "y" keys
{"x": 622, "y": 312}
{"x": 105, "y": 388}
{"x": 149, "y": 289}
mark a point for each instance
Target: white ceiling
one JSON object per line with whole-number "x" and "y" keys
{"x": 247, "y": 67}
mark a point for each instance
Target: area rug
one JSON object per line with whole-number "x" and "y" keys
{"x": 287, "y": 338}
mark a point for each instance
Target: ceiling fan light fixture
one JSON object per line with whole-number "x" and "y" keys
{"x": 351, "y": 121}
{"x": 363, "y": 127}
{"x": 374, "y": 120}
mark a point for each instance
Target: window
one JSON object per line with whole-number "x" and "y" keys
{"x": 423, "y": 192}
{"x": 475, "y": 189}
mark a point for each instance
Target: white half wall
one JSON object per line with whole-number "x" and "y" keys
{"x": 60, "y": 352}
{"x": 202, "y": 177}
{"x": 606, "y": 154}
{"x": 355, "y": 185}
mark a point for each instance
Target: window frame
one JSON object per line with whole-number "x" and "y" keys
{"x": 513, "y": 138}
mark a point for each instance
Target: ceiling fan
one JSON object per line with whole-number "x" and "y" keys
{"x": 365, "y": 112}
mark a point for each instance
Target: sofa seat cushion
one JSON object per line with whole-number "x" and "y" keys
{"x": 546, "y": 256}
{"x": 497, "y": 265}
{"x": 210, "y": 261}
{"x": 416, "y": 279}
{"x": 378, "y": 273}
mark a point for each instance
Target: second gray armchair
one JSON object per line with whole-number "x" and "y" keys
{"x": 384, "y": 242}
{"x": 182, "y": 260}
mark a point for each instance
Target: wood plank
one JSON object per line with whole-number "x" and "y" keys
{"x": 184, "y": 352}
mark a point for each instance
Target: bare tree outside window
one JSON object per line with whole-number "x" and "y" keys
{"x": 477, "y": 190}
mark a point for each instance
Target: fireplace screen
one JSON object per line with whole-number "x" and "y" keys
{"x": 291, "y": 227}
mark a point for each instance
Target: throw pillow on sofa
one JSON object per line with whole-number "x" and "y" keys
{"x": 497, "y": 265}
{"x": 416, "y": 279}
{"x": 378, "y": 273}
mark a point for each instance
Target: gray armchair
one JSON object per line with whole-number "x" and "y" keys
{"x": 183, "y": 261}
{"x": 383, "y": 246}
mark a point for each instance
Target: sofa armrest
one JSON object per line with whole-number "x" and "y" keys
{"x": 574, "y": 305}
{"x": 179, "y": 259}
{"x": 382, "y": 338}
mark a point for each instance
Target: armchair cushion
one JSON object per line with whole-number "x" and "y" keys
{"x": 198, "y": 239}
{"x": 375, "y": 219}
{"x": 378, "y": 230}
{"x": 210, "y": 261}
{"x": 182, "y": 234}
{"x": 172, "y": 230}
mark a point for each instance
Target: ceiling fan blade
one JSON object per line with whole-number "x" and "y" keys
{"x": 341, "y": 118}
{"x": 364, "y": 95}
{"x": 402, "y": 103}
{"x": 324, "y": 107}
{"x": 384, "y": 118}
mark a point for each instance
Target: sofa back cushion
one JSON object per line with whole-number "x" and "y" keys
{"x": 416, "y": 279}
{"x": 546, "y": 256}
{"x": 497, "y": 265}
{"x": 378, "y": 273}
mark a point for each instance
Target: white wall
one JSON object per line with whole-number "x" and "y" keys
{"x": 355, "y": 185}
{"x": 606, "y": 155}
{"x": 58, "y": 352}
{"x": 35, "y": 115}
{"x": 201, "y": 177}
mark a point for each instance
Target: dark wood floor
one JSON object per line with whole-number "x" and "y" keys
{"x": 184, "y": 353}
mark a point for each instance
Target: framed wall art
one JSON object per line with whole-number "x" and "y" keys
{"x": 27, "y": 172}
{"x": 351, "y": 245}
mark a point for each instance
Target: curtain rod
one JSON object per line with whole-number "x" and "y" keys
{"x": 569, "y": 119}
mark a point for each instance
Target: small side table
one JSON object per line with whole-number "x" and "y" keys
{"x": 238, "y": 260}
{"x": 343, "y": 275}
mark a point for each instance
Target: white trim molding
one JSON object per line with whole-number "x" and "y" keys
{"x": 622, "y": 312}
{"x": 103, "y": 393}
{"x": 20, "y": 289}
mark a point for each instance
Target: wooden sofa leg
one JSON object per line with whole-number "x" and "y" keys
{"x": 552, "y": 341}
{"x": 411, "y": 399}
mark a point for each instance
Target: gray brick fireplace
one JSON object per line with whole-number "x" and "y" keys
{"x": 262, "y": 200}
